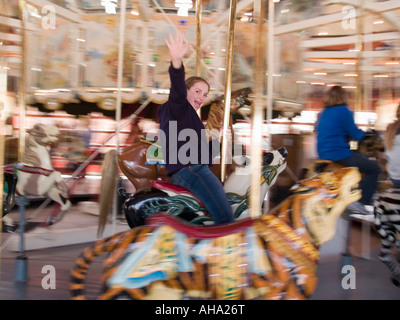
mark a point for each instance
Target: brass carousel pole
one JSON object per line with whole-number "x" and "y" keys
{"x": 119, "y": 93}
{"x": 22, "y": 89}
{"x": 359, "y": 47}
{"x": 228, "y": 85}
{"x": 256, "y": 128}
{"x": 198, "y": 42}
{"x": 21, "y": 267}
{"x": 198, "y": 37}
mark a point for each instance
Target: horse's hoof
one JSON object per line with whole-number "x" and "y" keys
{"x": 50, "y": 220}
{"x": 9, "y": 228}
{"x": 66, "y": 206}
{"x": 396, "y": 281}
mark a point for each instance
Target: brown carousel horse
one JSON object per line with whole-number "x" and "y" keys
{"x": 133, "y": 160}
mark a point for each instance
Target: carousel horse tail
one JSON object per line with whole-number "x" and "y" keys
{"x": 109, "y": 180}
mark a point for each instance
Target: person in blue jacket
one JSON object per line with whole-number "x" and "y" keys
{"x": 335, "y": 127}
{"x": 188, "y": 153}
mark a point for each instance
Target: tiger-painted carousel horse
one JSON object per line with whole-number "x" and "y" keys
{"x": 271, "y": 257}
{"x": 36, "y": 175}
{"x": 387, "y": 224}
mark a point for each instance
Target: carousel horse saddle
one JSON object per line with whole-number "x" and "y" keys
{"x": 199, "y": 232}
{"x": 172, "y": 190}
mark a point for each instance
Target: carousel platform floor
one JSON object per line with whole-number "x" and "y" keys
{"x": 60, "y": 244}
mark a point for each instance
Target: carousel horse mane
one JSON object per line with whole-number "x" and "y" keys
{"x": 271, "y": 257}
{"x": 39, "y": 137}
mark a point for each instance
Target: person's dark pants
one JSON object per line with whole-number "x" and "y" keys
{"x": 396, "y": 183}
{"x": 205, "y": 185}
{"x": 370, "y": 171}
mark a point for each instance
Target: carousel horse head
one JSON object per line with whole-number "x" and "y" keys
{"x": 44, "y": 135}
{"x": 133, "y": 162}
{"x": 271, "y": 257}
{"x": 326, "y": 195}
{"x": 371, "y": 144}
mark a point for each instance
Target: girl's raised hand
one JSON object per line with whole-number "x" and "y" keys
{"x": 177, "y": 48}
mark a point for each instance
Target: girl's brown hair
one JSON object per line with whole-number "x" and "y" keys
{"x": 335, "y": 96}
{"x": 194, "y": 79}
{"x": 391, "y": 130}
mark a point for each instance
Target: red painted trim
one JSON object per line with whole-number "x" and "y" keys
{"x": 174, "y": 188}
{"x": 199, "y": 232}
{"x": 34, "y": 170}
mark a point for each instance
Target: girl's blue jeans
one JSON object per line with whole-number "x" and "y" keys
{"x": 205, "y": 185}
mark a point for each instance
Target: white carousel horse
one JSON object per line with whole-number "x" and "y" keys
{"x": 36, "y": 175}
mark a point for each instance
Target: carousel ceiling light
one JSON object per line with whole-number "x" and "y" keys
{"x": 108, "y": 104}
{"x": 53, "y": 104}
{"x": 110, "y": 6}
{"x": 183, "y": 7}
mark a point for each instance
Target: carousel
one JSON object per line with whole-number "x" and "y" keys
{"x": 80, "y": 107}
